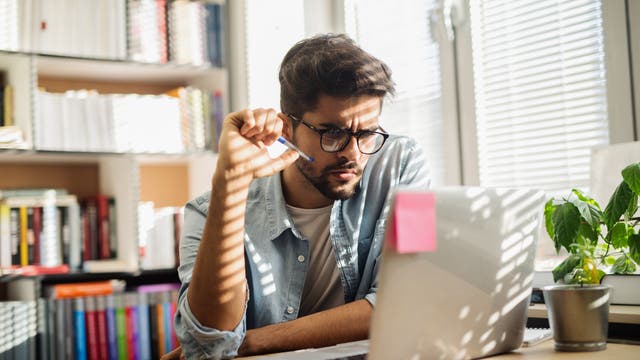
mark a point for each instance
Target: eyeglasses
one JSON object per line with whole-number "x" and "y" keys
{"x": 334, "y": 140}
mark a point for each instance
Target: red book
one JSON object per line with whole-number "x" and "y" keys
{"x": 101, "y": 320}
{"x": 131, "y": 329}
{"x": 104, "y": 248}
{"x": 91, "y": 326}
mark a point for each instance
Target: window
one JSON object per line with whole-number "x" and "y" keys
{"x": 540, "y": 91}
{"x": 272, "y": 27}
{"x": 404, "y": 42}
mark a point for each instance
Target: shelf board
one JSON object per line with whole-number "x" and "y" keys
{"x": 29, "y": 155}
{"x": 137, "y": 278}
{"x": 117, "y": 70}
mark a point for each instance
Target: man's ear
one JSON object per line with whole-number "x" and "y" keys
{"x": 287, "y": 126}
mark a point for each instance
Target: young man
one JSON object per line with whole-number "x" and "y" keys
{"x": 283, "y": 253}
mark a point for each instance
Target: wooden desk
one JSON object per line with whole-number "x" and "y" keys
{"x": 543, "y": 351}
{"x": 546, "y": 351}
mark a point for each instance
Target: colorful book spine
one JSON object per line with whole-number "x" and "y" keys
{"x": 112, "y": 332}
{"x": 131, "y": 312}
{"x": 91, "y": 327}
{"x": 101, "y": 320}
{"x": 24, "y": 247}
{"x": 80, "y": 329}
{"x": 121, "y": 327}
{"x": 143, "y": 326}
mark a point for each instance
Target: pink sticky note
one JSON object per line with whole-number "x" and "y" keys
{"x": 413, "y": 223}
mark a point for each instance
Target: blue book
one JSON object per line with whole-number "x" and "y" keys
{"x": 167, "y": 321}
{"x": 144, "y": 336}
{"x": 80, "y": 329}
{"x": 112, "y": 337}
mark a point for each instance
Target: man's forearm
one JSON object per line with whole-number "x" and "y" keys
{"x": 349, "y": 322}
{"x": 217, "y": 291}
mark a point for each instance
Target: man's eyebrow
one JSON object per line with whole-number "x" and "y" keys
{"x": 334, "y": 126}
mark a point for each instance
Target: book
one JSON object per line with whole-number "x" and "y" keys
{"x": 101, "y": 322}
{"x": 91, "y": 327}
{"x": 94, "y": 288}
{"x": 625, "y": 288}
{"x": 80, "y": 329}
{"x": 112, "y": 333}
{"x": 8, "y": 105}
{"x": 121, "y": 326}
{"x": 144, "y": 339}
{"x": 5, "y": 236}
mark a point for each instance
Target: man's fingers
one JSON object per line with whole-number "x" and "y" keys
{"x": 248, "y": 121}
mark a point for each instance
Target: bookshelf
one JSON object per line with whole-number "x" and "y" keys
{"x": 168, "y": 178}
{"x": 152, "y": 72}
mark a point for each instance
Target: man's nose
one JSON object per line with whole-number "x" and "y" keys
{"x": 351, "y": 151}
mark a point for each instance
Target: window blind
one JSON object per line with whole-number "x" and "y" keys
{"x": 540, "y": 91}
{"x": 398, "y": 33}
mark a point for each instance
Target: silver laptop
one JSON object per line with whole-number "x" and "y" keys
{"x": 467, "y": 297}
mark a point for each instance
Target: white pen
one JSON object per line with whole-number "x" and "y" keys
{"x": 288, "y": 144}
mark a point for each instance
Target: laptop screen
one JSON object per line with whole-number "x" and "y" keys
{"x": 461, "y": 291}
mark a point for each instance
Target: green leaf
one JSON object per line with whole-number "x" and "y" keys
{"x": 619, "y": 235}
{"x": 589, "y": 212}
{"x": 623, "y": 265}
{"x": 565, "y": 267}
{"x": 631, "y": 176}
{"x": 618, "y": 204}
{"x": 588, "y": 233}
{"x": 566, "y": 222}
{"x": 634, "y": 247}
{"x": 633, "y": 206}
{"x": 586, "y": 198}
{"x": 609, "y": 260}
{"x": 548, "y": 220}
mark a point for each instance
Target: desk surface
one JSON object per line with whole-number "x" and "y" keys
{"x": 541, "y": 351}
{"x": 545, "y": 350}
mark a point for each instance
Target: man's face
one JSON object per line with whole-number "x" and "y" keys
{"x": 336, "y": 175}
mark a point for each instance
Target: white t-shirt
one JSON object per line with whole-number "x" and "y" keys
{"x": 322, "y": 287}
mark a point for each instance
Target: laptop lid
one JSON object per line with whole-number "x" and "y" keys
{"x": 462, "y": 291}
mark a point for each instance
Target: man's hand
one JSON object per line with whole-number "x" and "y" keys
{"x": 217, "y": 291}
{"x": 242, "y": 154}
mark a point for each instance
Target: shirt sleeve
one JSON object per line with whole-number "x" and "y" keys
{"x": 198, "y": 341}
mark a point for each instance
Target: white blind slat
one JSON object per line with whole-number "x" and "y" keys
{"x": 540, "y": 91}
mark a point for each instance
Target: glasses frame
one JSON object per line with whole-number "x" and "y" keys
{"x": 352, "y": 134}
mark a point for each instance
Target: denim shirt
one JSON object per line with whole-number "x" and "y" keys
{"x": 275, "y": 269}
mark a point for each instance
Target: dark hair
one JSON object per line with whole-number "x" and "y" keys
{"x": 333, "y": 65}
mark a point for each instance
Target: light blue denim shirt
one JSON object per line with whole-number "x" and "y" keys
{"x": 275, "y": 271}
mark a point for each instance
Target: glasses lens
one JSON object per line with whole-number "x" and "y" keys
{"x": 334, "y": 140}
{"x": 370, "y": 142}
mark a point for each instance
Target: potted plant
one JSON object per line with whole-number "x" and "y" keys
{"x": 595, "y": 241}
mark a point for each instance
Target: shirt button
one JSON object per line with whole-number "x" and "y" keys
{"x": 300, "y": 258}
{"x": 289, "y": 310}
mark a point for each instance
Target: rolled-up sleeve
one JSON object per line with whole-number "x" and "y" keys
{"x": 198, "y": 341}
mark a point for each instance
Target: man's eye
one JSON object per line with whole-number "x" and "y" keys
{"x": 335, "y": 132}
